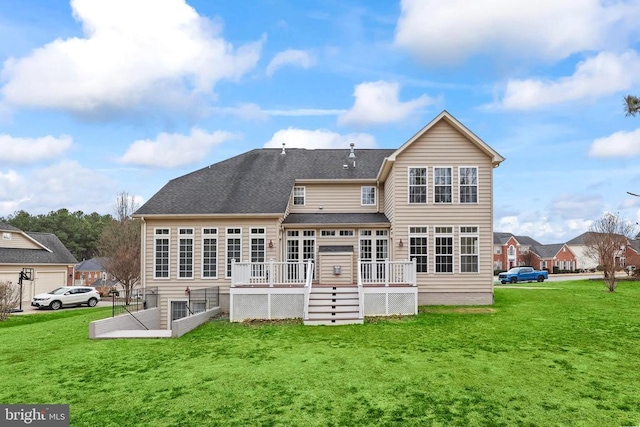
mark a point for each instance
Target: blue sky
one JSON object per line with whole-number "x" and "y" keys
{"x": 99, "y": 97}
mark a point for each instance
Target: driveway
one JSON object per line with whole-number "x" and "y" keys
{"x": 27, "y": 309}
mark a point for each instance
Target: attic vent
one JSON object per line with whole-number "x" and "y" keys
{"x": 283, "y": 152}
{"x": 352, "y": 154}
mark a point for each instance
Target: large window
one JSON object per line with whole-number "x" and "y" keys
{"x": 444, "y": 249}
{"x": 210, "y": 253}
{"x": 417, "y": 185}
{"x": 419, "y": 248}
{"x": 185, "y": 253}
{"x": 469, "y": 250}
{"x": 368, "y": 196}
{"x": 468, "y": 185}
{"x": 161, "y": 253}
{"x": 298, "y": 196}
{"x": 442, "y": 185}
{"x": 234, "y": 247}
{"x": 258, "y": 250}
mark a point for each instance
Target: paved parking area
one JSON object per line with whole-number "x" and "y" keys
{"x": 27, "y": 309}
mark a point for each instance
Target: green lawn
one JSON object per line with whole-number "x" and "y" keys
{"x": 566, "y": 356}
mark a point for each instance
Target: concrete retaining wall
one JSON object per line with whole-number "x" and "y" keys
{"x": 150, "y": 318}
{"x": 182, "y": 326}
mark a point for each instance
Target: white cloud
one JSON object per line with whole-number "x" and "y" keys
{"x": 567, "y": 206}
{"x": 605, "y": 74}
{"x": 14, "y": 150}
{"x": 451, "y": 31}
{"x": 320, "y": 138}
{"x": 66, "y": 184}
{"x": 295, "y": 57}
{"x": 543, "y": 229}
{"x": 378, "y": 103}
{"x": 171, "y": 150}
{"x": 133, "y": 52}
{"x": 619, "y": 144}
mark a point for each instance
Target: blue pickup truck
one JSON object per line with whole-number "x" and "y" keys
{"x": 522, "y": 274}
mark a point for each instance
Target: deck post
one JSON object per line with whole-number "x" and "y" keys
{"x": 233, "y": 262}
{"x": 386, "y": 272}
{"x": 271, "y": 272}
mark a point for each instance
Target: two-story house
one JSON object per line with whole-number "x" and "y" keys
{"x": 329, "y": 235}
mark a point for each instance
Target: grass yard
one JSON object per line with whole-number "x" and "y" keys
{"x": 568, "y": 356}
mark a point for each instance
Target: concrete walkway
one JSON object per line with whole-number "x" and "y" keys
{"x": 153, "y": 333}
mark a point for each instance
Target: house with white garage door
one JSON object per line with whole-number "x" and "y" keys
{"x": 51, "y": 262}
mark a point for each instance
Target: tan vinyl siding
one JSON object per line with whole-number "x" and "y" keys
{"x": 326, "y": 263}
{"x": 442, "y": 145}
{"x": 174, "y": 287}
{"x": 334, "y": 198}
{"x": 17, "y": 241}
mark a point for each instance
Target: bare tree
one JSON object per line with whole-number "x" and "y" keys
{"x": 120, "y": 245}
{"x": 631, "y": 105}
{"x": 606, "y": 242}
{"x": 9, "y": 299}
{"x": 528, "y": 257}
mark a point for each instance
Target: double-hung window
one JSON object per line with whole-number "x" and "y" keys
{"x": 210, "y": 253}
{"x": 468, "y": 184}
{"x": 258, "y": 250}
{"x": 444, "y": 249}
{"x": 469, "y": 250}
{"x": 442, "y": 185}
{"x": 161, "y": 253}
{"x": 185, "y": 253}
{"x": 367, "y": 196}
{"x": 234, "y": 247}
{"x": 417, "y": 185}
{"x": 419, "y": 248}
{"x": 298, "y": 196}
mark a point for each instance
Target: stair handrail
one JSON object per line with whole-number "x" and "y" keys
{"x": 307, "y": 289}
{"x": 360, "y": 291}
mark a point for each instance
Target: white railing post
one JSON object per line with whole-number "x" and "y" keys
{"x": 414, "y": 280}
{"x": 360, "y": 291}
{"x": 233, "y": 281}
{"x": 386, "y": 272}
{"x": 271, "y": 272}
{"x": 307, "y": 290}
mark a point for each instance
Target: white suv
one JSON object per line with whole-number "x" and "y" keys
{"x": 67, "y": 295}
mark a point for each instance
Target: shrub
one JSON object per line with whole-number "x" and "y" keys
{"x": 9, "y": 299}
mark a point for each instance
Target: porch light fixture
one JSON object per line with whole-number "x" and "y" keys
{"x": 400, "y": 244}
{"x": 270, "y": 244}
{"x": 187, "y": 291}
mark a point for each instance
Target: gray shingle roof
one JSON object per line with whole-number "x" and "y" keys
{"x": 8, "y": 227}
{"x": 547, "y": 251}
{"x": 93, "y": 264}
{"x": 59, "y": 253}
{"x": 339, "y": 248}
{"x": 500, "y": 238}
{"x": 337, "y": 218}
{"x": 258, "y": 181}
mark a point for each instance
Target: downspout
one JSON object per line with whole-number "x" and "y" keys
{"x": 143, "y": 252}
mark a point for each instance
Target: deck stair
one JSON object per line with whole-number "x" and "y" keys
{"x": 333, "y": 305}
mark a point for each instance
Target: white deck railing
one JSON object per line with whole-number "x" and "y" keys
{"x": 307, "y": 290}
{"x": 269, "y": 273}
{"x": 387, "y": 272}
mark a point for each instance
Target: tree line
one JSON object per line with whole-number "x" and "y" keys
{"x": 79, "y": 232}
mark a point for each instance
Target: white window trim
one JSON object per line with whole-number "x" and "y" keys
{"x": 433, "y": 186}
{"x": 426, "y": 185}
{"x": 453, "y": 248}
{"x": 226, "y": 247}
{"x": 209, "y": 236}
{"x": 409, "y": 235}
{"x": 460, "y": 236}
{"x": 253, "y": 235}
{"x": 477, "y": 185}
{"x": 351, "y": 230}
{"x": 375, "y": 195}
{"x": 304, "y": 195}
{"x": 161, "y": 236}
{"x": 6, "y": 235}
{"x": 191, "y": 236}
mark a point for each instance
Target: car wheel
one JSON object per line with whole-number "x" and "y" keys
{"x": 92, "y": 302}
{"x": 514, "y": 280}
{"x": 540, "y": 279}
{"x": 504, "y": 282}
{"x": 55, "y": 305}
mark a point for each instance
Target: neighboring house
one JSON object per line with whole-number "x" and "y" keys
{"x": 628, "y": 255}
{"x": 51, "y": 261}
{"x": 88, "y": 271}
{"x": 389, "y": 228}
{"x": 512, "y": 251}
